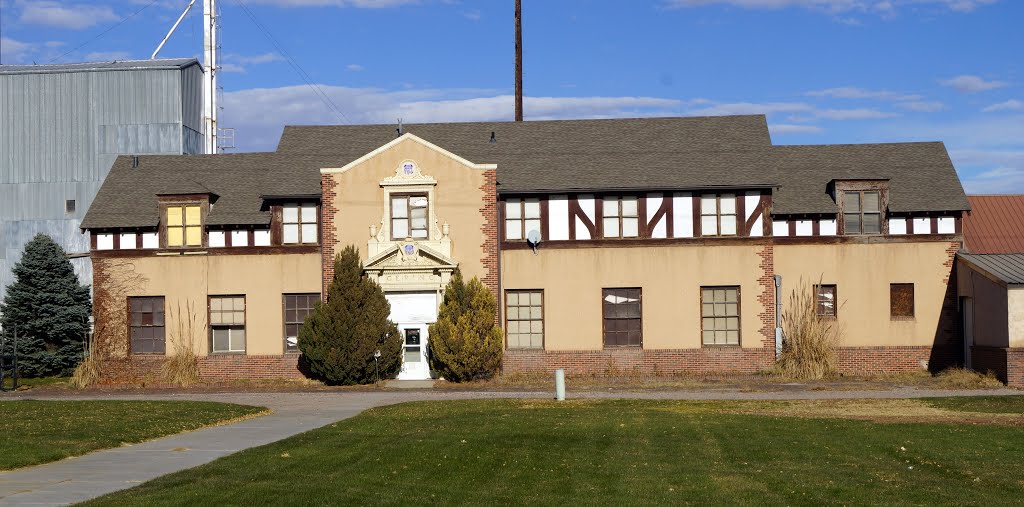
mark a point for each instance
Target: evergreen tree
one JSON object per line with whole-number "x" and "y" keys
{"x": 465, "y": 342}
{"x": 339, "y": 339}
{"x": 48, "y": 308}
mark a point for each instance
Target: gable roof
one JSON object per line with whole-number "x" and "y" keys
{"x": 1009, "y": 268}
{"x": 995, "y": 224}
{"x": 129, "y": 195}
{"x": 633, "y": 154}
{"x": 921, "y": 176}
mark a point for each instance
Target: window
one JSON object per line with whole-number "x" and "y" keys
{"x": 296, "y": 308}
{"x": 862, "y": 212}
{"x": 227, "y": 323}
{"x": 901, "y": 300}
{"x": 825, "y": 297}
{"x": 621, "y": 217}
{"x": 408, "y": 217}
{"x": 184, "y": 226}
{"x": 622, "y": 318}
{"x": 298, "y": 224}
{"x": 69, "y": 206}
{"x": 147, "y": 325}
{"x": 720, "y": 315}
{"x": 525, "y": 319}
{"x": 521, "y": 217}
{"x": 718, "y": 215}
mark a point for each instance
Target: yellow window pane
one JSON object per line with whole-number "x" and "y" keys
{"x": 174, "y": 216}
{"x": 192, "y": 216}
{"x": 194, "y": 236}
{"x": 175, "y": 236}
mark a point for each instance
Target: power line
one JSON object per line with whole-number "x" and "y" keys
{"x": 294, "y": 64}
{"x": 104, "y": 32}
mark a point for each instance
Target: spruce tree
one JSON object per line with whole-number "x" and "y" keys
{"x": 48, "y": 308}
{"x": 465, "y": 342}
{"x": 339, "y": 339}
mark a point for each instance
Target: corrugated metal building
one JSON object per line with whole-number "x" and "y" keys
{"x": 61, "y": 126}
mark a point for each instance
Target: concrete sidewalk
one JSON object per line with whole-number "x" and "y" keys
{"x": 101, "y": 472}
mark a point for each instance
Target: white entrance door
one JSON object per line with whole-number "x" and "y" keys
{"x": 413, "y": 312}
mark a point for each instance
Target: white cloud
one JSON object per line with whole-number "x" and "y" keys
{"x": 358, "y": 4}
{"x": 971, "y": 84}
{"x": 64, "y": 15}
{"x": 1009, "y": 105}
{"x": 355, "y": 67}
{"x": 852, "y": 92}
{"x": 472, "y": 15}
{"x": 921, "y": 106}
{"x": 884, "y": 8}
{"x": 752, "y": 108}
{"x": 853, "y": 114}
{"x": 15, "y": 51}
{"x": 1000, "y": 180}
{"x": 788, "y": 128}
{"x": 245, "y": 110}
{"x": 236, "y": 63}
{"x": 107, "y": 56}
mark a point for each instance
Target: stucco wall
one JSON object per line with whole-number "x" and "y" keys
{"x": 458, "y": 199}
{"x": 989, "y": 299}
{"x": 862, "y": 274}
{"x": 187, "y": 281}
{"x": 1016, "y": 316}
{"x": 670, "y": 276}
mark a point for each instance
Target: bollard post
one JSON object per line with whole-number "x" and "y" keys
{"x": 560, "y": 384}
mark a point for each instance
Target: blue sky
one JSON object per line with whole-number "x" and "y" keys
{"x": 824, "y": 71}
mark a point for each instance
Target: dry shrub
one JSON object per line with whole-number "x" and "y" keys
{"x": 88, "y": 371}
{"x": 810, "y": 343}
{"x": 963, "y": 378}
{"x": 182, "y": 367}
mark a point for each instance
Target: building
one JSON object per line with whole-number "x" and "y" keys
{"x": 647, "y": 245}
{"x": 62, "y": 126}
{"x": 991, "y": 286}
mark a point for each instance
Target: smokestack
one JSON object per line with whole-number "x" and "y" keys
{"x": 519, "y": 60}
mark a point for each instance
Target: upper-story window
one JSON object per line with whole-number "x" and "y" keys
{"x": 298, "y": 224}
{"x": 521, "y": 217}
{"x": 409, "y": 216}
{"x": 718, "y": 215}
{"x": 620, "y": 217}
{"x": 862, "y": 212}
{"x": 184, "y": 225}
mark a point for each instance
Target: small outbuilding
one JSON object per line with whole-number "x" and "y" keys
{"x": 990, "y": 286}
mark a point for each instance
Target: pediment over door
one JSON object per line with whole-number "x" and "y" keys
{"x": 409, "y": 265}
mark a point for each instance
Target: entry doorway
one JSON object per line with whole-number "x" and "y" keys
{"x": 967, "y": 311}
{"x": 413, "y": 312}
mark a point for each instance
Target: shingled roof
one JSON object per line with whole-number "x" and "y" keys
{"x": 129, "y": 195}
{"x": 548, "y": 156}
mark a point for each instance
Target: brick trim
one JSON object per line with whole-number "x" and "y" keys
{"x": 767, "y": 297}
{"x": 489, "y": 248}
{"x": 329, "y": 241}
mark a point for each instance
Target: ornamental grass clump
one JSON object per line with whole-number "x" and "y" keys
{"x": 466, "y": 343}
{"x": 810, "y": 340}
{"x": 181, "y": 368}
{"x": 88, "y": 371}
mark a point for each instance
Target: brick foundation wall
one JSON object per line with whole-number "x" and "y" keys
{"x": 146, "y": 369}
{"x": 855, "y": 360}
{"x": 1015, "y": 367}
{"x": 329, "y": 235}
{"x": 613, "y": 362}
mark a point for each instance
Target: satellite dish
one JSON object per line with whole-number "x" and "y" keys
{"x": 533, "y": 238}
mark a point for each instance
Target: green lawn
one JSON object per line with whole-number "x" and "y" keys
{"x": 983, "y": 404}
{"x": 521, "y": 452}
{"x": 37, "y": 432}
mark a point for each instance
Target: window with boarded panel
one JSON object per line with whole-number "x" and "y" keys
{"x": 623, "y": 323}
{"x": 901, "y": 300}
{"x": 826, "y": 302}
{"x": 524, "y": 315}
{"x": 147, "y": 325}
{"x": 296, "y": 308}
{"x": 720, "y": 315}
